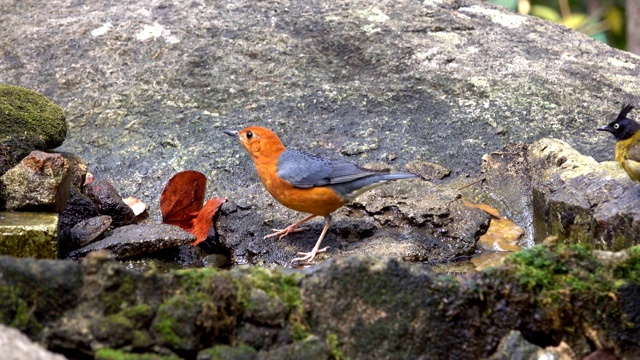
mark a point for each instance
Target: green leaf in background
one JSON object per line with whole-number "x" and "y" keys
{"x": 509, "y": 4}
{"x": 603, "y": 20}
{"x": 601, "y": 36}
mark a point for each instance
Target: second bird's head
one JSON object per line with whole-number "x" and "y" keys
{"x": 258, "y": 141}
{"x": 622, "y": 127}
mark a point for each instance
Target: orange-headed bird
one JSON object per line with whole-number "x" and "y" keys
{"x": 627, "y": 132}
{"x": 305, "y": 182}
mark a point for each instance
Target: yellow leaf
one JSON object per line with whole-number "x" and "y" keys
{"x": 575, "y": 20}
{"x": 615, "y": 19}
{"x": 545, "y": 12}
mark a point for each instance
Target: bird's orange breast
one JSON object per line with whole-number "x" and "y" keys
{"x": 320, "y": 200}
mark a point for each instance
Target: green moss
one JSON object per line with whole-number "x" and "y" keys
{"x": 563, "y": 267}
{"x": 138, "y": 314}
{"x": 175, "y": 321}
{"x": 334, "y": 347}
{"x": 566, "y": 276}
{"x": 285, "y": 287}
{"x": 29, "y": 234}
{"x": 112, "y": 354}
{"x": 117, "y": 321}
{"x": 210, "y": 301}
{"x": 113, "y": 330}
{"x": 125, "y": 327}
{"x": 207, "y": 305}
{"x": 226, "y": 352}
{"x": 197, "y": 278}
{"x": 121, "y": 294}
{"x": 16, "y": 311}
{"x": 141, "y": 339}
{"x": 26, "y": 112}
{"x": 629, "y": 270}
{"x": 278, "y": 285}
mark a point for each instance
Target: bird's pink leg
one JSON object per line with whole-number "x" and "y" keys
{"x": 307, "y": 257}
{"x": 289, "y": 229}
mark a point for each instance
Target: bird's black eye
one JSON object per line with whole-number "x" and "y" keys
{"x": 616, "y": 126}
{"x": 250, "y": 134}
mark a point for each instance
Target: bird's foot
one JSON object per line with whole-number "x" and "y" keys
{"x": 286, "y": 231}
{"x": 307, "y": 257}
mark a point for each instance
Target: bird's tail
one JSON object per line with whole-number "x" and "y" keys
{"x": 353, "y": 189}
{"x": 396, "y": 176}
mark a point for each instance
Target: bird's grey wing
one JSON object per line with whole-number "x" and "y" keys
{"x": 303, "y": 170}
{"x": 344, "y": 171}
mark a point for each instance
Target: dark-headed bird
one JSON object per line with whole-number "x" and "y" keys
{"x": 627, "y": 152}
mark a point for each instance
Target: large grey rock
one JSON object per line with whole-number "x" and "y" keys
{"x": 581, "y": 200}
{"x": 148, "y": 87}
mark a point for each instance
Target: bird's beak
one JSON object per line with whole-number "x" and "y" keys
{"x": 232, "y": 133}
{"x": 605, "y": 128}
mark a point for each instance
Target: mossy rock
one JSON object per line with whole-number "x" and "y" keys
{"x": 113, "y": 354}
{"x": 26, "y": 113}
{"x": 224, "y": 352}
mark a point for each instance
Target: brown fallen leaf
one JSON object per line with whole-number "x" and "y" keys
{"x": 484, "y": 207}
{"x": 502, "y": 235}
{"x": 201, "y": 224}
{"x": 182, "y": 198}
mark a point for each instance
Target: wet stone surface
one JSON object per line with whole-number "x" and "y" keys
{"x": 137, "y": 240}
{"x": 411, "y": 220}
{"x": 86, "y": 231}
{"x": 109, "y": 202}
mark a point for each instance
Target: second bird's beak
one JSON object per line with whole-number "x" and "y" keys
{"x": 232, "y": 133}
{"x": 605, "y": 128}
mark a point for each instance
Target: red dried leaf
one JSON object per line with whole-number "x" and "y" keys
{"x": 202, "y": 223}
{"x": 182, "y": 198}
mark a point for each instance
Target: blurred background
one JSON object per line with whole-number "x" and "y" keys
{"x": 615, "y": 22}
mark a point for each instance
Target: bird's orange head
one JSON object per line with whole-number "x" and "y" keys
{"x": 261, "y": 143}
